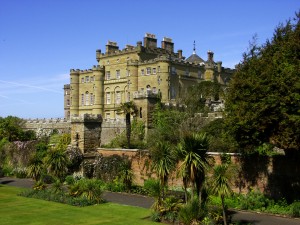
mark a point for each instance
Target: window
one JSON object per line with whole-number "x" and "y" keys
{"x": 173, "y": 70}
{"x": 118, "y": 60}
{"x": 199, "y": 74}
{"x": 154, "y": 90}
{"x": 118, "y": 97}
{"x": 128, "y": 96}
{"x": 107, "y": 62}
{"x": 82, "y": 80}
{"x": 87, "y": 97}
{"x": 87, "y": 79}
{"x": 158, "y": 68}
{"x": 127, "y": 73}
{"x": 92, "y": 79}
{"x": 108, "y": 75}
{"x": 118, "y": 74}
{"x": 92, "y": 99}
{"x": 108, "y": 98}
{"x": 71, "y": 101}
{"x": 154, "y": 70}
{"x": 108, "y": 116}
{"x": 142, "y": 72}
{"x": 187, "y": 73}
{"x": 148, "y": 71}
{"x": 68, "y": 102}
{"x": 82, "y": 99}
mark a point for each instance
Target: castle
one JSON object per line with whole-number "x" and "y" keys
{"x": 141, "y": 73}
{"x": 144, "y": 74}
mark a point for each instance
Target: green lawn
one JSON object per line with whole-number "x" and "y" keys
{"x": 20, "y": 210}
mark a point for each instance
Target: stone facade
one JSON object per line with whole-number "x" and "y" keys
{"x": 135, "y": 73}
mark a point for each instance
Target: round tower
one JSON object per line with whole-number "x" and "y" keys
{"x": 98, "y": 73}
{"x": 74, "y": 92}
{"x": 132, "y": 81}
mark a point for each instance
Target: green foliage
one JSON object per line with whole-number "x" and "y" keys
{"x": 56, "y": 162}
{"x": 111, "y": 167}
{"x": 295, "y": 209}
{"x": 196, "y": 96}
{"x": 194, "y": 160}
{"x": 166, "y": 123}
{"x": 59, "y": 196}
{"x": 11, "y": 128}
{"x": 193, "y": 211}
{"x": 163, "y": 161}
{"x": 20, "y": 172}
{"x": 263, "y": 102}
{"x": 69, "y": 180}
{"x": 220, "y": 138}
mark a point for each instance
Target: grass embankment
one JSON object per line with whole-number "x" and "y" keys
{"x": 15, "y": 210}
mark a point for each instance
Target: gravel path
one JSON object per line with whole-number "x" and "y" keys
{"x": 243, "y": 217}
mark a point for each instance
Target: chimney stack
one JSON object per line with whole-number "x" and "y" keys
{"x": 150, "y": 41}
{"x": 167, "y": 44}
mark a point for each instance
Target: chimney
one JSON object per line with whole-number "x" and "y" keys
{"x": 111, "y": 47}
{"x": 210, "y": 56}
{"x": 179, "y": 52}
{"x": 98, "y": 53}
{"x": 167, "y": 44}
{"x": 150, "y": 41}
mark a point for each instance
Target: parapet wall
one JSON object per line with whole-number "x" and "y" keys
{"x": 45, "y": 127}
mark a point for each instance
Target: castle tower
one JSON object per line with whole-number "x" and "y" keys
{"x": 98, "y": 87}
{"x": 74, "y": 92}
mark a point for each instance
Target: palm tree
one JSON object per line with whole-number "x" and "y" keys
{"x": 163, "y": 161}
{"x": 192, "y": 152}
{"x": 129, "y": 108}
{"x": 220, "y": 185}
{"x": 56, "y": 162}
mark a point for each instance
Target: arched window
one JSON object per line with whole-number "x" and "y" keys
{"x": 87, "y": 97}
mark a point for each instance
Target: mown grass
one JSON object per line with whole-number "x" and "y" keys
{"x": 17, "y": 210}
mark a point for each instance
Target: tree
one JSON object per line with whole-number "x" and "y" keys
{"x": 263, "y": 101}
{"x": 196, "y": 96}
{"x": 192, "y": 151}
{"x": 163, "y": 161}
{"x": 11, "y": 128}
{"x": 220, "y": 185}
{"x": 129, "y": 108}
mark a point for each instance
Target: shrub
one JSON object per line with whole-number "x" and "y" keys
{"x": 20, "y": 172}
{"x": 47, "y": 179}
{"x": 295, "y": 209}
{"x": 69, "y": 180}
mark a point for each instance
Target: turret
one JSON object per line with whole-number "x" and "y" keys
{"x": 74, "y": 92}
{"x": 98, "y": 73}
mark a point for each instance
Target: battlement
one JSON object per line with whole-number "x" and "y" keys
{"x": 47, "y": 120}
{"x": 86, "y": 118}
{"x": 78, "y": 71}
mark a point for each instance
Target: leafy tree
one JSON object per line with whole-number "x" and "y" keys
{"x": 11, "y": 128}
{"x": 263, "y": 102}
{"x": 196, "y": 96}
{"x": 166, "y": 125}
{"x": 129, "y": 108}
{"x": 194, "y": 160}
{"x": 220, "y": 139}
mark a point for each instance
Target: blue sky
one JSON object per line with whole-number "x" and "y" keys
{"x": 41, "y": 40}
